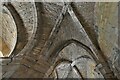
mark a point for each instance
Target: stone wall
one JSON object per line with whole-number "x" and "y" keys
{"x": 107, "y": 22}
{"x": 59, "y": 30}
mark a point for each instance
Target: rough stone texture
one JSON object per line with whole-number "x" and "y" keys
{"x": 9, "y": 32}
{"x": 107, "y": 22}
{"x": 56, "y": 29}
{"x": 23, "y": 27}
{"x": 31, "y": 60}
{"x": 75, "y": 55}
{"x": 27, "y": 12}
{"x": 85, "y": 13}
{"x": 65, "y": 33}
{"x": 70, "y": 30}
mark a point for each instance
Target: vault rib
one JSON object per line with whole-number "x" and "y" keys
{"x": 56, "y": 28}
{"x": 100, "y": 58}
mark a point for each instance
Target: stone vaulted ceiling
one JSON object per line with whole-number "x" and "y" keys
{"x": 60, "y": 40}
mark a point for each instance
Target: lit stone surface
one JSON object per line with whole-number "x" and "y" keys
{"x": 9, "y": 32}
{"x": 49, "y": 32}
{"x": 27, "y": 13}
{"x": 81, "y": 59}
{"x": 107, "y": 22}
{"x": 1, "y": 54}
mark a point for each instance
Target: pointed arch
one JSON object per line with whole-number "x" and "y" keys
{"x": 61, "y": 60}
{"x": 65, "y": 44}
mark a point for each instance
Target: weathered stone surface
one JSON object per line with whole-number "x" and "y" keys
{"x": 51, "y": 31}
{"x": 107, "y": 22}
{"x": 8, "y": 36}
{"x": 75, "y": 55}
{"x": 85, "y": 13}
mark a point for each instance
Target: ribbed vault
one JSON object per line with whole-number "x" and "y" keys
{"x": 62, "y": 40}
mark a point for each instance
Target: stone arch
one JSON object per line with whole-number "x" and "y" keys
{"x": 21, "y": 31}
{"x": 26, "y": 26}
{"x": 63, "y": 59}
{"x": 66, "y": 43}
{"x": 9, "y": 32}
